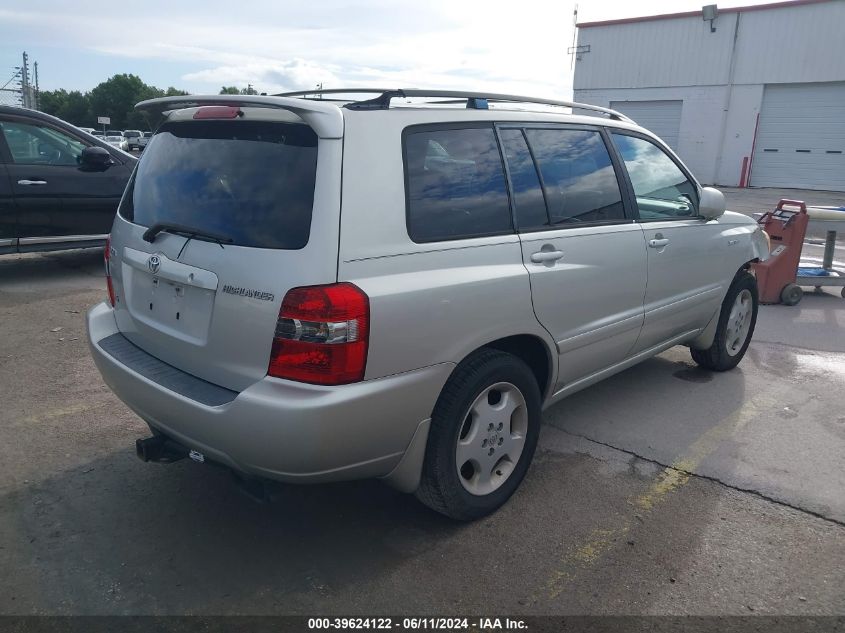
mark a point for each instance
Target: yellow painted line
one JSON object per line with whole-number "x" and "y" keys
{"x": 602, "y": 540}
{"x": 667, "y": 481}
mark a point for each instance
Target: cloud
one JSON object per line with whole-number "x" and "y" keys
{"x": 276, "y": 46}
{"x": 271, "y": 76}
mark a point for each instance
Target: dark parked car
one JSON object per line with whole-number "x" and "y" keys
{"x": 59, "y": 186}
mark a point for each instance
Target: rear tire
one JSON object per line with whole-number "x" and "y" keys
{"x": 736, "y": 326}
{"x": 488, "y": 418}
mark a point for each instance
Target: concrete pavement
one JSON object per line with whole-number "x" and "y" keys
{"x": 663, "y": 490}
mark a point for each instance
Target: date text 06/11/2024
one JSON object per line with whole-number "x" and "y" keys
{"x": 417, "y": 624}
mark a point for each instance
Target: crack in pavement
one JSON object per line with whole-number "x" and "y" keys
{"x": 711, "y": 478}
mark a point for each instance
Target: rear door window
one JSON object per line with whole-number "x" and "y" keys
{"x": 578, "y": 177}
{"x": 250, "y": 181}
{"x": 455, "y": 184}
{"x": 526, "y": 189}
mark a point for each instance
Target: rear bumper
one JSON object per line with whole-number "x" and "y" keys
{"x": 281, "y": 429}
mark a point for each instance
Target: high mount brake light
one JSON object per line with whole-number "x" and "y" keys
{"x": 107, "y": 262}
{"x": 218, "y": 112}
{"x": 322, "y": 335}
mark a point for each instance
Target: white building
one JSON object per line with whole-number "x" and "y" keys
{"x": 757, "y": 99}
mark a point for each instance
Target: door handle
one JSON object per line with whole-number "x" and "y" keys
{"x": 546, "y": 256}
{"x": 32, "y": 182}
{"x": 658, "y": 242}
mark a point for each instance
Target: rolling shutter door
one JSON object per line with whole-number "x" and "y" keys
{"x": 801, "y": 137}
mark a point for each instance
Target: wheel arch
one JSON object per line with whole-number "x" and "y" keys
{"x": 705, "y": 338}
{"x": 530, "y": 348}
{"x": 534, "y": 352}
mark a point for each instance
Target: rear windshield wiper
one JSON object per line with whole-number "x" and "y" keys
{"x": 186, "y": 231}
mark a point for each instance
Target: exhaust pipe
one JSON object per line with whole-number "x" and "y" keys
{"x": 159, "y": 448}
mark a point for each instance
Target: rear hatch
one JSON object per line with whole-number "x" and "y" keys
{"x": 238, "y": 205}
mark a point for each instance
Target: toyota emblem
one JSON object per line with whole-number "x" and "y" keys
{"x": 154, "y": 263}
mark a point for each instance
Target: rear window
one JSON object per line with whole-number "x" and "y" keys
{"x": 131, "y": 134}
{"x": 251, "y": 181}
{"x": 455, "y": 184}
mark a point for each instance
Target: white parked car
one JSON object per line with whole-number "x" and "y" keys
{"x": 310, "y": 290}
{"x": 117, "y": 141}
{"x": 133, "y": 138}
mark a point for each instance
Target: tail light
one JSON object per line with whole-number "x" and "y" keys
{"x": 322, "y": 335}
{"x": 107, "y": 260}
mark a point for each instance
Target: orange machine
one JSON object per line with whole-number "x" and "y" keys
{"x": 776, "y": 276}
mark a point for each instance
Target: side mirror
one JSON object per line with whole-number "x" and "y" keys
{"x": 96, "y": 158}
{"x": 712, "y": 203}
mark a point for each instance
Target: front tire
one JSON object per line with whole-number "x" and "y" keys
{"x": 736, "y": 326}
{"x": 484, "y": 431}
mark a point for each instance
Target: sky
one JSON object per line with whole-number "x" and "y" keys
{"x": 516, "y": 47}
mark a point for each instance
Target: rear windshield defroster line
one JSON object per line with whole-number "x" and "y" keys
{"x": 251, "y": 181}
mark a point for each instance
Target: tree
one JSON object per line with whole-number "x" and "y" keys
{"x": 72, "y": 107}
{"x": 52, "y": 101}
{"x": 233, "y": 90}
{"x": 77, "y": 110}
{"x": 115, "y": 98}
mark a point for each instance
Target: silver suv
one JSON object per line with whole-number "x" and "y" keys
{"x": 314, "y": 290}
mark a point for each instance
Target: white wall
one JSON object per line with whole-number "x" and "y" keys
{"x": 745, "y": 104}
{"x": 804, "y": 43}
{"x": 676, "y": 52}
{"x": 719, "y": 77}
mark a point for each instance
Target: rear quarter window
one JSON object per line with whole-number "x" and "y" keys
{"x": 455, "y": 183}
{"x": 251, "y": 181}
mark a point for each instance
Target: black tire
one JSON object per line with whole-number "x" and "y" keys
{"x": 717, "y": 357}
{"x": 440, "y": 487}
{"x": 791, "y": 295}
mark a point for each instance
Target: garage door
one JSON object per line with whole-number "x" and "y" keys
{"x": 801, "y": 137}
{"x": 661, "y": 117}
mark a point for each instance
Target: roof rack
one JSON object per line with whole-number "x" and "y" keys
{"x": 474, "y": 100}
{"x": 333, "y": 91}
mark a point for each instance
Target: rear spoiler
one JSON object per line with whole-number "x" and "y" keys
{"x": 325, "y": 119}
